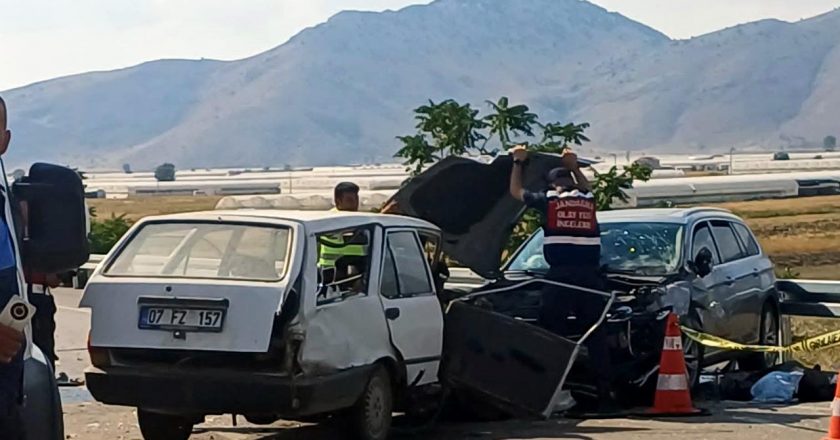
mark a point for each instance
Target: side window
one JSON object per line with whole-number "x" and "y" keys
{"x": 703, "y": 239}
{"x": 747, "y": 239}
{"x": 388, "y": 286}
{"x": 431, "y": 248}
{"x": 411, "y": 274}
{"x": 343, "y": 264}
{"x": 730, "y": 248}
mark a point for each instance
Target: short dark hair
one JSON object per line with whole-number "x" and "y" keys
{"x": 558, "y": 173}
{"x": 345, "y": 188}
{"x": 3, "y": 115}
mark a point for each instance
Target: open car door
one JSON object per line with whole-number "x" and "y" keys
{"x": 520, "y": 367}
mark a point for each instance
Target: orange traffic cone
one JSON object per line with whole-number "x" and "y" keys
{"x": 672, "y": 394}
{"x": 834, "y": 422}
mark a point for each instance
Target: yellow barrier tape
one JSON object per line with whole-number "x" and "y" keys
{"x": 817, "y": 343}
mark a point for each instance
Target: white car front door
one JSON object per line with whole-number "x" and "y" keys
{"x": 411, "y": 306}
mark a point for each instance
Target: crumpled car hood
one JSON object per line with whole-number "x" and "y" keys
{"x": 471, "y": 203}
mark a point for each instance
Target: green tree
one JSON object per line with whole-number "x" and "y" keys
{"x": 453, "y": 127}
{"x": 104, "y": 234}
{"x": 417, "y": 152}
{"x": 830, "y": 143}
{"x": 557, "y": 137}
{"x": 612, "y": 185}
{"x": 506, "y": 120}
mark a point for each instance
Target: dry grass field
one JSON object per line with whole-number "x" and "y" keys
{"x": 803, "y": 234}
{"x": 137, "y": 208}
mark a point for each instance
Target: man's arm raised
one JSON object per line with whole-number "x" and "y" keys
{"x": 570, "y": 161}
{"x": 520, "y": 154}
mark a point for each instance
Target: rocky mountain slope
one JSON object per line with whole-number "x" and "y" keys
{"x": 341, "y": 91}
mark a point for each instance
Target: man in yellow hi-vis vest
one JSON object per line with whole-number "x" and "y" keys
{"x": 346, "y": 196}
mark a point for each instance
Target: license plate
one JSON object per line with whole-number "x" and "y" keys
{"x": 175, "y": 318}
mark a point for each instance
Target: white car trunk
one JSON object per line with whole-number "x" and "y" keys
{"x": 249, "y": 311}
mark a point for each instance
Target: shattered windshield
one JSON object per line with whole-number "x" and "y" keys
{"x": 635, "y": 248}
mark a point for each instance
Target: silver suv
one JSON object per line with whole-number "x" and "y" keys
{"x": 708, "y": 253}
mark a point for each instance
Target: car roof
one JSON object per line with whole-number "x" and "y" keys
{"x": 314, "y": 221}
{"x": 664, "y": 215}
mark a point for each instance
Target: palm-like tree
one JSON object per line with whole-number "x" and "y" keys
{"x": 507, "y": 120}
{"x": 417, "y": 153}
{"x": 454, "y": 127}
{"x": 557, "y": 137}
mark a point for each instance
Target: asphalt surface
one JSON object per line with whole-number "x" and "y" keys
{"x": 88, "y": 420}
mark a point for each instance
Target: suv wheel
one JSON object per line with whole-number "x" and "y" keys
{"x": 769, "y": 334}
{"x": 371, "y": 417}
{"x": 692, "y": 352}
{"x": 156, "y": 426}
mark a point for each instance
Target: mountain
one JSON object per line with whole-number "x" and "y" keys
{"x": 340, "y": 92}
{"x": 767, "y": 83}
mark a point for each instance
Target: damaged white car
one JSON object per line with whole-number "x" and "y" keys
{"x": 267, "y": 314}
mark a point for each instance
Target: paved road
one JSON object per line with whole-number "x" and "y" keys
{"x": 87, "y": 420}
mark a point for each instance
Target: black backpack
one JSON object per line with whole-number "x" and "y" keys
{"x": 57, "y": 229}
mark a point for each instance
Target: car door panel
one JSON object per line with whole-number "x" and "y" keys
{"x": 413, "y": 312}
{"x": 711, "y": 292}
{"x": 761, "y": 280}
{"x": 744, "y": 294}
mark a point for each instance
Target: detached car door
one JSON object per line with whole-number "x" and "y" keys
{"x": 411, "y": 306}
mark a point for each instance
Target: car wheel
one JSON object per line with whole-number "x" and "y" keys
{"x": 156, "y": 426}
{"x": 692, "y": 352}
{"x": 769, "y": 334}
{"x": 371, "y": 417}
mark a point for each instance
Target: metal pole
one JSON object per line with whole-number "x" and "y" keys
{"x": 731, "y": 151}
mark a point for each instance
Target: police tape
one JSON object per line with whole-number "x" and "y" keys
{"x": 816, "y": 343}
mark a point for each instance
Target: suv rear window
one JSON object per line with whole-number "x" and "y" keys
{"x": 730, "y": 249}
{"x": 205, "y": 250}
{"x": 747, "y": 239}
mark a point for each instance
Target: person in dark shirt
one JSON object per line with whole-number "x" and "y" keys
{"x": 572, "y": 249}
{"x": 11, "y": 341}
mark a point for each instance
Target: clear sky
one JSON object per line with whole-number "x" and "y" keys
{"x": 43, "y": 39}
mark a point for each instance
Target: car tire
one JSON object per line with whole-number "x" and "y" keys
{"x": 769, "y": 334}
{"x": 156, "y": 426}
{"x": 693, "y": 353}
{"x": 370, "y": 418}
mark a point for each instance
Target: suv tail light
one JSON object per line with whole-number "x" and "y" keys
{"x": 99, "y": 357}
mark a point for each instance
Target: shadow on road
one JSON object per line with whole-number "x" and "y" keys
{"x": 519, "y": 429}
{"x": 750, "y": 415}
{"x": 786, "y": 417}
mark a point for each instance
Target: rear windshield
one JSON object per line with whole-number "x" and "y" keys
{"x": 205, "y": 250}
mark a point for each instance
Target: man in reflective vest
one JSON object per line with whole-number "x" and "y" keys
{"x": 572, "y": 249}
{"x": 346, "y": 197}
